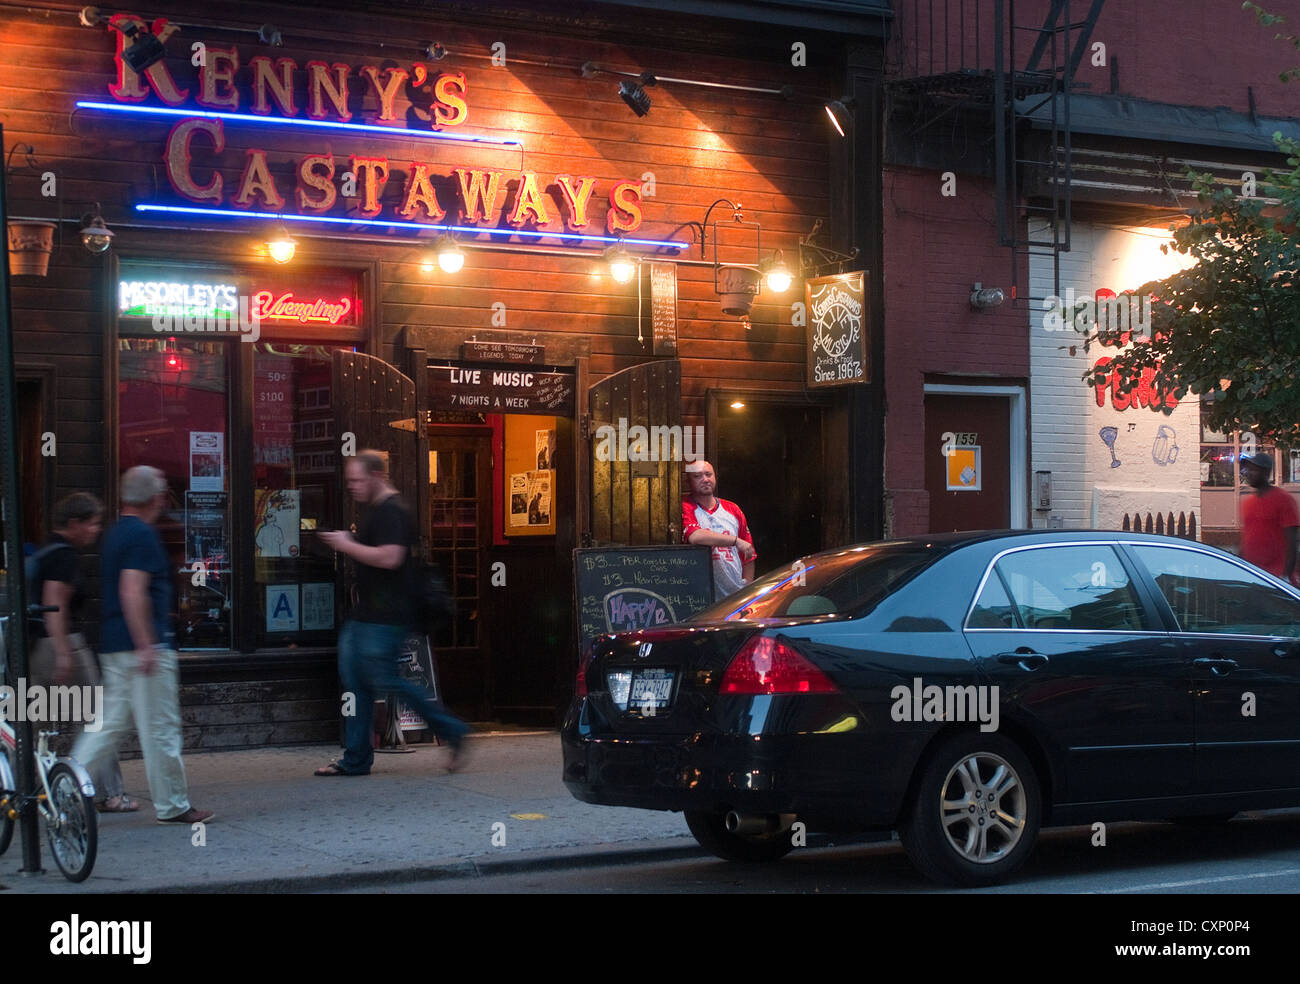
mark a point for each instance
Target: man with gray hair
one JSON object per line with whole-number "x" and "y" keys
{"x": 138, "y": 657}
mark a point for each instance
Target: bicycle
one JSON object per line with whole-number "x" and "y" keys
{"x": 64, "y": 795}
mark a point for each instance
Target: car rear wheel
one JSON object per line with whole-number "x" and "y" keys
{"x": 975, "y": 812}
{"x": 710, "y": 830}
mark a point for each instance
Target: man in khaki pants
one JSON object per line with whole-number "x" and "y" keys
{"x": 141, "y": 675}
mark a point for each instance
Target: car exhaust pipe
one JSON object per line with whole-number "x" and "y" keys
{"x": 746, "y": 824}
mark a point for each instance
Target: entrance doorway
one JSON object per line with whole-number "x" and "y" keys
{"x": 768, "y": 458}
{"x": 459, "y": 534}
{"x": 974, "y": 456}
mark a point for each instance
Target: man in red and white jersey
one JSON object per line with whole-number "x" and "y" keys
{"x": 713, "y": 522}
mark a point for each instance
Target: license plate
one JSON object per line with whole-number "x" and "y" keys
{"x": 651, "y": 690}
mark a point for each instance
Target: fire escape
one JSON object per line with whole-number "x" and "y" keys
{"x": 975, "y": 71}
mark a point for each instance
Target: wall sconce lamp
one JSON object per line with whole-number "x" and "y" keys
{"x": 94, "y": 234}
{"x": 622, "y": 265}
{"x": 450, "y": 257}
{"x": 776, "y": 275}
{"x": 986, "y": 298}
{"x": 281, "y": 245}
{"x": 840, "y": 115}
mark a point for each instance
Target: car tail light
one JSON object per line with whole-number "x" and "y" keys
{"x": 580, "y": 684}
{"x": 768, "y": 666}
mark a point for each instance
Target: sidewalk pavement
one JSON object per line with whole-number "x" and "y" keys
{"x": 279, "y": 828}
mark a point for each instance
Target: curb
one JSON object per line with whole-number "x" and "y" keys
{"x": 678, "y": 848}
{"x": 484, "y": 866}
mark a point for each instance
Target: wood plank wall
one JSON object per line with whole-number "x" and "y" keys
{"x": 701, "y": 144}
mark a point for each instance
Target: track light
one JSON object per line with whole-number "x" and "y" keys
{"x": 622, "y": 266}
{"x": 144, "y": 50}
{"x": 270, "y": 34}
{"x": 840, "y": 115}
{"x": 634, "y": 94}
{"x": 94, "y": 234}
{"x": 281, "y": 245}
{"x": 434, "y": 51}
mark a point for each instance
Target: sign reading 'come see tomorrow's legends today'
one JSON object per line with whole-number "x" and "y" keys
{"x": 838, "y": 325}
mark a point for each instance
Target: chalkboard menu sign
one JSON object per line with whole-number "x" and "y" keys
{"x": 622, "y": 589}
{"x": 663, "y": 308}
{"x": 837, "y": 330}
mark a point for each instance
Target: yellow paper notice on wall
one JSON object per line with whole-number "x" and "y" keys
{"x": 964, "y": 469}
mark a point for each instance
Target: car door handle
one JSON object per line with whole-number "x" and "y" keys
{"x": 1216, "y": 664}
{"x": 1287, "y": 650}
{"x": 1027, "y": 659}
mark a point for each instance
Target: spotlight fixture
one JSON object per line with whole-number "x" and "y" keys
{"x": 634, "y": 94}
{"x": 434, "y": 51}
{"x": 94, "y": 234}
{"x": 281, "y": 245}
{"x": 984, "y": 298}
{"x": 144, "y": 50}
{"x": 451, "y": 258}
{"x": 622, "y": 265}
{"x": 776, "y": 274}
{"x": 840, "y": 115}
{"x": 270, "y": 34}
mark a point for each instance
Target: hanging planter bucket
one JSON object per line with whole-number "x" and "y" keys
{"x": 30, "y": 246}
{"x": 738, "y": 286}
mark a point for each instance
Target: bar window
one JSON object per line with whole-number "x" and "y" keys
{"x": 295, "y": 492}
{"x": 173, "y": 408}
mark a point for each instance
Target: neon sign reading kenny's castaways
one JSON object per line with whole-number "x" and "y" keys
{"x": 270, "y": 91}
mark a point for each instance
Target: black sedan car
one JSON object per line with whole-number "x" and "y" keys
{"x": 964, "y": 690}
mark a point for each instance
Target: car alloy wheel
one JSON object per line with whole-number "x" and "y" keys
{"x": 975, "y": 811}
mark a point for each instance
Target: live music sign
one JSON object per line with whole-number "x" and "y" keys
{"x": 501, "y": 389}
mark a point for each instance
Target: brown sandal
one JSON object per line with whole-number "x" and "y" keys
{"x": 118, "y": 804}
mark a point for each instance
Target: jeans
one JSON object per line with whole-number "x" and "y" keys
{"x": 369, "y": 669}
{"x": 154, "y": 702}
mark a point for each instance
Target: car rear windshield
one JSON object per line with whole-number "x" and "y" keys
{"x": 850, "y": 583}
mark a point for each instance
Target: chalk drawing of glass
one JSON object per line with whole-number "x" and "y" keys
{"x": 1163, "y": 449}
{"x": 1108, "y": 435}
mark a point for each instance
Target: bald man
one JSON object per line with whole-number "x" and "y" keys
{"x": 712, "y": 522}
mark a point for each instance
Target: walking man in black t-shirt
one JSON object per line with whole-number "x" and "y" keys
{"x": 371, "y": 638}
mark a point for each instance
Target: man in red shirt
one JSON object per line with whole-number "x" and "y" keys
{"x": 1268, "y": 519}
{"x": 717, "y": 523}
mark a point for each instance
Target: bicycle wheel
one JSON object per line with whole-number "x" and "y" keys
{"x": 7, "y": 794}
{"x": 70, "y": 824}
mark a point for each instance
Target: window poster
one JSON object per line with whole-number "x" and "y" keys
{"x": 275, "y": 524}
{"x": 531, "y": 455}
{"x": 205, "y": 528}
{"x": 207, "y": 461}
{"x": 963, "y": 469}
{"x": 282, "y": 608}
{"x": 544, "y": 442}
{"x": 318, "y": 607}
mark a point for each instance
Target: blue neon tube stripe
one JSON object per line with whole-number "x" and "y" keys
{"x": 402, "y": 224}
{"x": 391, "y": 131}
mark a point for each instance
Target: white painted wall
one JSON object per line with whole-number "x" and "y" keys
{"x": 1065, "y": 419}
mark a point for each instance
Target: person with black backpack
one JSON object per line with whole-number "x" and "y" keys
{"x": 60, "y": 656}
